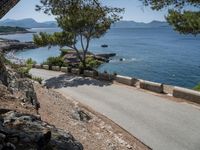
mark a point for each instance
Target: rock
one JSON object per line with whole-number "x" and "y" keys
{"x": 11, "y": 82}
{"x": 81, "y": 115}
{"x": 2, "y": 138}
{"x": 16, "y": 45}
{"x": 107, "y": 55}
{"x": 44, "y": 140}
{"x": 8, "y": 146}
{"x": 104, "y": 45}
{"x": 22, "y": 131}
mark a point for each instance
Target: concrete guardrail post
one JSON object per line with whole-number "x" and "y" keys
{"x": 126, "y": 80}
{"x": 38, "y": 66}
{"x": 64, "y": 69}
{"x": 75, "y": 71}
{"x": 89, "y": 73}
{"x": 187, "y": 94}
{"x": 55, "y": 68}
{"x": 46, "y": 67}
{"x": 104, "y": 76}
{"x": 151, "y": 86}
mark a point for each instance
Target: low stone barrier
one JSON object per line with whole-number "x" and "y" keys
{"x": 75, "y": 71}
{"x": 64, "y": 69}
{"x": 45, "y": 67}
{"x": 55, "y": 68}
{"x": 126, "y": 80}
{"x": 38, "y": 66}
{"x": 187, "y": 94}
{"x": 89, "y": 73}
{"x": 104, "y": 76}
{"x": 151, "y": 86}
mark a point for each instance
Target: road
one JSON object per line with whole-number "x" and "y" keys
{"x": 160, "y": 123}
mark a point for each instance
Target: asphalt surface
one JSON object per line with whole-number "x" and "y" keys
{"x": 160, "y": 123}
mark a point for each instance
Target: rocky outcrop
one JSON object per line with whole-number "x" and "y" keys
{"x": 21, "y": 128}
{"x": 7, "y": 45}
{"x": 22, "y": 87}
{"x": 21, "y": 131}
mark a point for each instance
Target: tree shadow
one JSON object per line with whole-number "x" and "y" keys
{"x": 73, "y": 81}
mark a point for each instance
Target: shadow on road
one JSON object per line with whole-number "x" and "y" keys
{"x": 73, "y": 81}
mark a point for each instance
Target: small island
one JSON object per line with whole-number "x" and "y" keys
{"x": 12, "y": 30}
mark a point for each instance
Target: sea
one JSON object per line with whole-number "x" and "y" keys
{"x": 156, "y": 54}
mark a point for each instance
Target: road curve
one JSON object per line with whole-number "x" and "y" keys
{"x": 160, "y": 123}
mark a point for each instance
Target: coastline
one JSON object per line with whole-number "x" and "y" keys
{"x": 17, "y": 32}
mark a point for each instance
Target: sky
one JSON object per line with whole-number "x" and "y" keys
{"x": 134, "y": 10}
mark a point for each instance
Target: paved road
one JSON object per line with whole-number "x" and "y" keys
{"x": 160, "y": 123}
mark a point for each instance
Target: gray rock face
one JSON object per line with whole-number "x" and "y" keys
{"x": 13, "y": 83}
{"x": 22, "y": 131}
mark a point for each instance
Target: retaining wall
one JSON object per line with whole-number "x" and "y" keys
{"x": 126, "y": 80}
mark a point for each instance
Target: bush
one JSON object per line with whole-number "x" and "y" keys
{"x": 197, "y": 88}
{"x": 30, "y": 61}
{"x": 38, "y": 79}
{"x": 55, "y": 61}
{"x": 24, "y": 71}
{"x": 91, "y": 63}
{"x": 65, "y": 51}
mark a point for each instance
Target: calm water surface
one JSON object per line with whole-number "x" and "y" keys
{"x": 155, "y": 54}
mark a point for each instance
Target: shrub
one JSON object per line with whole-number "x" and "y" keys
{"x": 24, "y": 71}
{"x": 65, "y": 51}
{"x": 38, "y": 79}
{"x": 197, "y": 87}
{"x": 91, "y": 63}
{"x": 30, "y": 61}
{"x": 55, "y": 61}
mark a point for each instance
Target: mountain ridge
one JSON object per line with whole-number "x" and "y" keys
{"x": 31, "y": 23}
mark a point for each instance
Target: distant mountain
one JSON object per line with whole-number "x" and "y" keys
{"x": 31, "y": 23}
{"x": 28, "y": 23}
{"x": 133, "y": 24}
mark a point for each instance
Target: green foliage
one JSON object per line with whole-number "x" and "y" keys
{"x": 38, "y": 79}
{"x": 197, "y": 87}
{"x": 23, "y": 71}
{"x": 55, "y": 61}
{"x": 7, "y": 29}
{"x": 91, "y": 63}
{"x": 180, "y": 16}
{"x": 65, "y": 51}
{"x": 30, "y": 61}
{"x": 80, "y": 20}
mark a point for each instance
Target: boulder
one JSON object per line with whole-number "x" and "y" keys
{"x": 22, "y": 131}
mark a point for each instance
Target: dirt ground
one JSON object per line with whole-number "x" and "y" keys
{"x": 93, "y": 130}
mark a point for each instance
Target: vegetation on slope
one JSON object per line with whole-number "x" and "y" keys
{"x": 7, "y": 29}
{"x": 197, "y": 87}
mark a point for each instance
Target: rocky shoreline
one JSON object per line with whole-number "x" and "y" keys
{"x": 16, "y": 32}
{"x": 8, "y": 45}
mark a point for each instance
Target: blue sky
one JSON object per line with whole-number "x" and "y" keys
{"x": 134, "y": 10}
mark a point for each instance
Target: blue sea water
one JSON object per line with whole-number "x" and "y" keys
{"x": 155, "y": 54}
